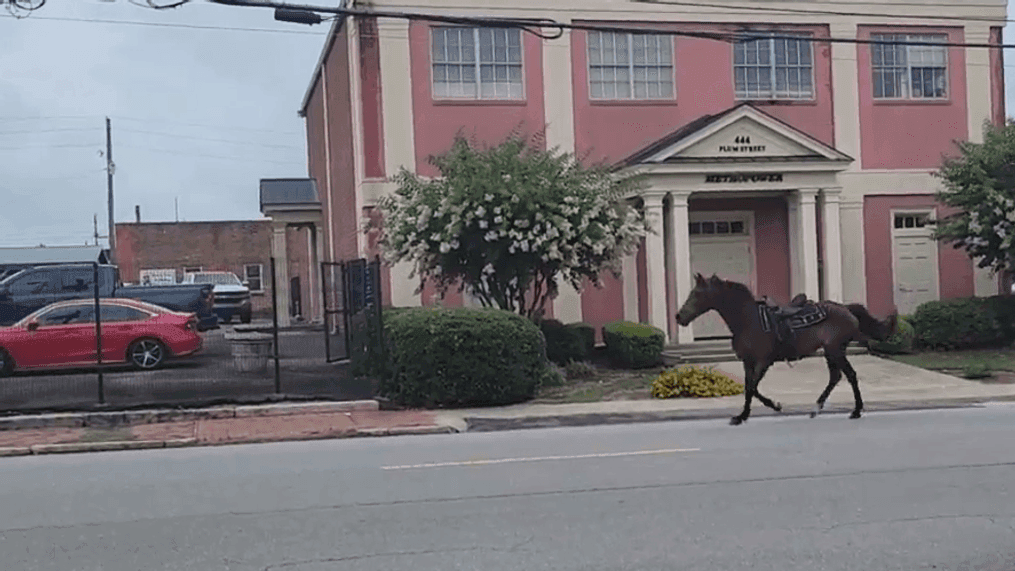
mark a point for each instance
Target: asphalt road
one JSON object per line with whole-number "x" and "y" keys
{"x": 902, "y": 490}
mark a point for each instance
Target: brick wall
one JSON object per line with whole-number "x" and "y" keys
{"x": 212, "y": 246}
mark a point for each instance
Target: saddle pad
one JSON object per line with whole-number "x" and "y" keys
{"x": 808, "y": 316}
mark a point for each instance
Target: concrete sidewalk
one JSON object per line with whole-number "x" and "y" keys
{"x": 885, "y": 385}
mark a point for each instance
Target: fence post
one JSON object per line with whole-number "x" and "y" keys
{"x": 378, "y": 304}
{"x": 274, "y": 328}
{"x": 98, "y": 332}
{"x": 324, "y": 313}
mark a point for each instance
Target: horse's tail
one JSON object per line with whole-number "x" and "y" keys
{"x": 870, "y": 327}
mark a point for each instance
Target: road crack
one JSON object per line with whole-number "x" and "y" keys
{"x": 287, "y": 564}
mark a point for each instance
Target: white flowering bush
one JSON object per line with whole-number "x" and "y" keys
{"x": 507, "y": 222}
{"x": 980, "y": 182}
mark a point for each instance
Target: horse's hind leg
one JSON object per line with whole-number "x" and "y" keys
{"x": 834, "y": 375}
{"x": 851, "y": 376}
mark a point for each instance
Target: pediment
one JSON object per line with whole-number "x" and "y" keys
{"x": 742, "y": 133}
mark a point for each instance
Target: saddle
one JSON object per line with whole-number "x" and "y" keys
{"x": 787, "y": 320}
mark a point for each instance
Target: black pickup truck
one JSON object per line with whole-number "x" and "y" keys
{"x": 28, "y": 290}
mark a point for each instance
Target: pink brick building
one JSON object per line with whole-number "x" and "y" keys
{"x": 788, "y": 164}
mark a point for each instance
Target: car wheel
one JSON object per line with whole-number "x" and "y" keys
{"x": 146, "y": 354}
{"x": 6, "y": 364}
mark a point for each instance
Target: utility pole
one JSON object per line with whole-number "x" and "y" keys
{"x": 110, "y": 168}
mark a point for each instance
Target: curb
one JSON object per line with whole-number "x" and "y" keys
{"x": 116, "y": 445}
{"x": 496, "y": 424}
{"x": 72, "y": 447}
{"x": 157, "y": 416}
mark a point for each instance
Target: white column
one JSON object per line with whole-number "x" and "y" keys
{"x": 655, "y": 263}
{"x": 680, "y": 243}
{"x": 629, "y": 273}
{"x": 854, "y": 286}
{"x": 278, "y": 250}
{"x": 396, "y": 96}
{"x": 808, "y": 234}
{"x": 985, "y": 281}
{"x": 832, "y": 243}
{"x": 845, "y": 91}
{"x": 317, "y": 234}
{"x": 978, "y": 91}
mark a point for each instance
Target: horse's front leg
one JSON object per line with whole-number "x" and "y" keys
{"x": 749, "y": 386}
{"x": 753, "y": 373}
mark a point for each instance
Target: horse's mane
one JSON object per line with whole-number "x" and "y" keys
{"x": 739, "y": 287}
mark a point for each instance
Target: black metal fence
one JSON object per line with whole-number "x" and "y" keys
{"x": 94, "y": 352}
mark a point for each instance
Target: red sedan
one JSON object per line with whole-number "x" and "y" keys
{"x": 62, "y": 335}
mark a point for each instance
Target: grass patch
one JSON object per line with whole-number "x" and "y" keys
{"x": 603, "y": 383}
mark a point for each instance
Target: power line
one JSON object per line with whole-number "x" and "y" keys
{"x": 45, "y": 117}
{"x": 46, "y": 146}
{"x": 207, "y": 156}
{"x": 204, "y": 125}
{"x": 34, "y": 131}
{"x": 168, "y": 25}
{"x": 535, "y": 26}
{"x": 821, "y": 12}
{"x": 234, "y": 142}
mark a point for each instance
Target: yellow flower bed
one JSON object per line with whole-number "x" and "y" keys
{"x": 691, "y": 381}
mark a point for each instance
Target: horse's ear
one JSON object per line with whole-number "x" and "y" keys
{"x": 698, "y": 279}
{"x": 714, "y": 279}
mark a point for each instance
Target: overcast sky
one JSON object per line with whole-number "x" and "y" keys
{"x": 197, "y": 114}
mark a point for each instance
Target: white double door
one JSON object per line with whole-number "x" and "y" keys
{"x": 722, "y": 243}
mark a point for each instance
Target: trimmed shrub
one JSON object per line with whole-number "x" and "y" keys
{"x": 960, "y": 323}
{"x": 691, "y": 381}
{"x": 580, "y": 370}
{"x": 977, "y": 371}
{"x": 552, "y": 376}
{"x": 633, "y": 345}
{"x": 588, "y": 335}
{"x": 902, "y": 341}
{"x": 463, "y": 357}
{"x": 563, "y": 343}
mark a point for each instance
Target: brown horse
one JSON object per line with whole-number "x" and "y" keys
{"x": 764, "y": 334}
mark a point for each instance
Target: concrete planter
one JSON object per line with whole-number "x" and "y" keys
{"x": 250, "y": 351}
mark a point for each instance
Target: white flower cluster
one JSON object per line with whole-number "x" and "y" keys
{"x": 583, "y": 230}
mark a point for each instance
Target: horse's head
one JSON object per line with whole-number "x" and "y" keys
{"x": 701, "y": 299}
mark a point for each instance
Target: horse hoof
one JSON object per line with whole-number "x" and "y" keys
{"x": 736, "y": 420}
{"x": 814, "y": 414}
{"x": 778, "y": 407}
{"x": 855, "y": 414}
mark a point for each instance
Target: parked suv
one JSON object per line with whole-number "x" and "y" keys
{"x": 232, "y": 296}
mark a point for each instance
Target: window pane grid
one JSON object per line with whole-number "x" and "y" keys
{"x": 773, "y": 68}
{"x": 630, "y": 66}
{"x": 477, "y": 63}
{"x": 902, "y": 71}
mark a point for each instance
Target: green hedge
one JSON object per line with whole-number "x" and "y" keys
{"x": 965, "y": 323}
{"x": 462, "y": 357}
{"x": 633, "y": 345}
{"x": 566, "y": 343}
{"x": 902, "y": 341}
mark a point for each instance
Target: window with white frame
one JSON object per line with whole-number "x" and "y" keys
{"x": 903, "y": 70}
{"x": 252, "y": 275}
{"x": 477, "y": 63}
{"x": 774, "y": 67}
{"x": 630, "y": 66}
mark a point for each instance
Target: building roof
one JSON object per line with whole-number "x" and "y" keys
{"x": 289, "y": 192}
{"x": 52, "y": 255}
